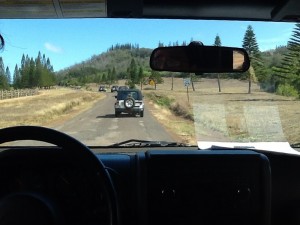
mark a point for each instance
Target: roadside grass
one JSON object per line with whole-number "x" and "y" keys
{"x": 174, "y": 113}
{"x": 160, "y": 99}
{"x": 177, "y": 107}
{"x": 50, "y": 106}
{"x": 177, "y": 126}
{"x": 230, "y": 115}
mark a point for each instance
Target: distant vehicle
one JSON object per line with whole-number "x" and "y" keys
{"x": 129, "y": 101}
{"x": 123, "y": 88}
{"x": 102, "y": 88}
{"x": 114, "y": 88}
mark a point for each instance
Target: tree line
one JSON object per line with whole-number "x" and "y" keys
{"x": 32, "y": 73}
{"x": 83, "y": 75}
{"x": 128, "y": 46}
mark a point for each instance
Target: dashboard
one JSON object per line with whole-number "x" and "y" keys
{"x": 156, "y": 187}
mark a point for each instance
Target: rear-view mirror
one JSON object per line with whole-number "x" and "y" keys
{"x": 200, "y": 59}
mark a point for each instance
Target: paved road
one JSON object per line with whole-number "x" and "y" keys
{"x": 99, "y": 126}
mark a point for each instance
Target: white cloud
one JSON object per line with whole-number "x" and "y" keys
{"x": 53, "y": 48}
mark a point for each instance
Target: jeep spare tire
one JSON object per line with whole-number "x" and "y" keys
{"x": 129, "y": 103}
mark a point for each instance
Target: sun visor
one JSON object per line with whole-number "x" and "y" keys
{"x": 34, "y": 9}
{"x": 124, "y": 8}
{"x": 288, "y": 11}
{"x": 83, "y": 9}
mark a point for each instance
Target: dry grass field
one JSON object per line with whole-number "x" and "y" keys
{"x": 48, "y": 107}
{"x": 230, "y": 115}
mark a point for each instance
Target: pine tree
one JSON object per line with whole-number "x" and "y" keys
{"x": 103, "y": 78}
{"x": 141, "y": 76}
{"x": 250, "y": 43}
{"x": 32, "y": 78}
{"x": 3, "y": 79}
{"x": 251, "y": 46}
{"x": 44, "y": 60}
{"x": 23, "y": 62}
{"x": 218, "y": 43}
{"x": 113, "y": 75}
{"x": 160, "y": 44}
{"x": 290, "y": 67}
{"x": 17, "y": 78}
{"x": 132, "y": 74}
{"x": 39, "y": 71}
{"x": 49, "y": 66}
{"x": 109, "y": 77}
{"x": 25, "y": 70}
{"x": 8, "y": 75}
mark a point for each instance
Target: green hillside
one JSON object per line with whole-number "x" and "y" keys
{"x": 108, "y": 66}
{"x": 273, "y": 58}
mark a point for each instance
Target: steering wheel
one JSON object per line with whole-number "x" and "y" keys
{"x": 37, "y": 205}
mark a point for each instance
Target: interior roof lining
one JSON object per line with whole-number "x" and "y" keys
{"x": 266, "y": 10}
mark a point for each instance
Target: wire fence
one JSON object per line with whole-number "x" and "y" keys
{"x": 4, "y": 94}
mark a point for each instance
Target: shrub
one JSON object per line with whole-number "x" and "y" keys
{"x": 181, "y": 111}
{"x": 160, "y": 99}
{"x": 286, "y": 90}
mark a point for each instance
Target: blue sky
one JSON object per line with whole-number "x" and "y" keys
{"x": 71, "y": 41}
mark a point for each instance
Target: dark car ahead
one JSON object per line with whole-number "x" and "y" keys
{"x": 129, "y": 101}
{"x": 102, "y": 88}
{"x": 114, "y": 88}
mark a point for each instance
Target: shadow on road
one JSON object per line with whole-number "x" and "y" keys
{"x": 113, "y": 116}
{"x": 106, "y": 116}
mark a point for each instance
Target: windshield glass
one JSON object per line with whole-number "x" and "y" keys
{"x": 65, "y": 74}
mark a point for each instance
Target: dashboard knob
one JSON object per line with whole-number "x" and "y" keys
{"x": 168, "y": 193}
{"x": 243, "y": 193}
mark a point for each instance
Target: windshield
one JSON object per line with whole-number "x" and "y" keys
{"x": 66, "y": 74}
